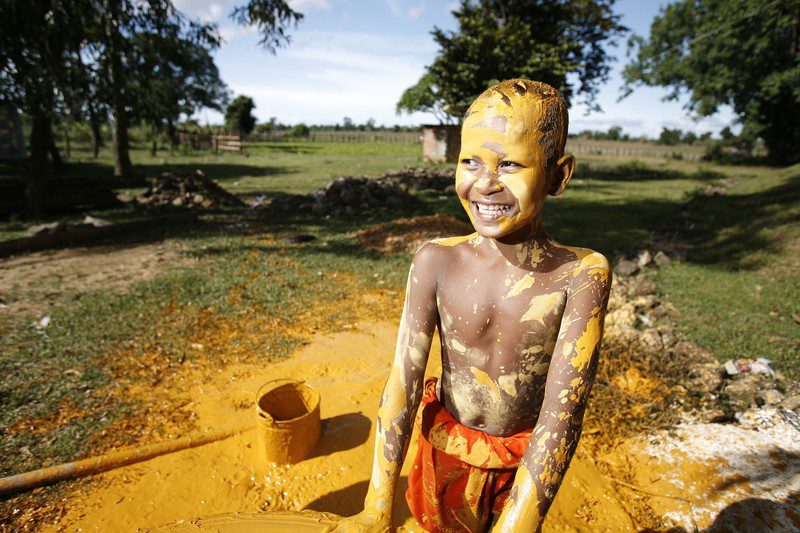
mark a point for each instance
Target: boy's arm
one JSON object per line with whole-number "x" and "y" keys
{"x": 402, "y": 393}
{"x": 569, "y": 381}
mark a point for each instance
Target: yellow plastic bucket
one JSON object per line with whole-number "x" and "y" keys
{"x": 289, "y": 425}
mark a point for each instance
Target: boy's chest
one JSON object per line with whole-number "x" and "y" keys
{"x": 502, "y": 310}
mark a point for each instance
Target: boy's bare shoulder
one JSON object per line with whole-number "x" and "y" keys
{"x": 444, "y": 250}
{"x": 435, "y": 257}
{"x": 586, "y": 262}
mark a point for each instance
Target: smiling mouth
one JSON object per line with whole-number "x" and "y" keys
{"x": 488, "y": 211}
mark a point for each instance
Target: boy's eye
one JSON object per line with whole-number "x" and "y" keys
{"x": 469, "y": 163}
{"x": 510, "y": 165}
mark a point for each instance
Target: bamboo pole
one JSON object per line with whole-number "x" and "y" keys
{"x": 109, "y": 461}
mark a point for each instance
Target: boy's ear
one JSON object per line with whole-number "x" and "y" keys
{"x": 562, "y": 173}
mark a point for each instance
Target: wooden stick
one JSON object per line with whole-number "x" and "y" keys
{"x": 109, "y": 461}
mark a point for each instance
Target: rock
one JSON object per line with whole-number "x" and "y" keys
{"x": 48, "y": 229}
{"x": 742, "y": 391}
{"x": 96, "y": 222}
{"x": 792, "y": 402}
{"x": 769, "y": 397}
{"x": 644, "y": 258}
{"x": 712, "y": 414}
{"x": 645, "y": 302}
{"x": 661, "y": 259}
{"x": 667, "y": 336}
{"x": 663, "y": 310}
{"x": 705, "y": 377}
{"x": 651, "y": 338}
{"x": 641, "y": 286}
{"x": 626, "y": 267}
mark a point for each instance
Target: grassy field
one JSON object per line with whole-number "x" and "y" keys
{"x": 736, "y": 289}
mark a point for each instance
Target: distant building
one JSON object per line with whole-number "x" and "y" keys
{"x": 441, "y": 142}
{"x": 12, "y": 142}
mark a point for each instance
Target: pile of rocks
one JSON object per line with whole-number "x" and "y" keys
{"x": 350, "y": 194}
{"x": 423, "y": 178}
{"x": 185, "y": 190}
{"x": 637, "y": 317}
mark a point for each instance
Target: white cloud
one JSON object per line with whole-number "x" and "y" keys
{"x": 304, "y": 6}
{"x": 406, "y": 8}
{"x": 206, "y": 10}
{"x": 325, "y": 76}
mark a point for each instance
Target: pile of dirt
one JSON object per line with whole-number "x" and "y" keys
{"x": 185, "y": 190}
{"x": 408, "y": 234}
{"x": 421, "y": 178}
{"x": 350, "y": 194}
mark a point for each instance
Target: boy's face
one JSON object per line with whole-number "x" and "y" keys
{"x": 502, "y": 174}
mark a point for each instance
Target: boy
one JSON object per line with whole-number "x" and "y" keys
{"x": 520, "y": 318}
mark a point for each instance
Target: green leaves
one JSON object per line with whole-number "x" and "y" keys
{"x": 497, "y": 40}
{"x": 271, "y": 17}
{"x": 239, "y": 115}
{"x": 742, "y": 53}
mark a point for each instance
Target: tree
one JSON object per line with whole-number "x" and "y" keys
{"x": 558, "y": 42}
{"x": 239, "y": 115}
{"x": 300, "y": 130}
{"x": 271, "y": 18}
{"x": 34, "y": 39}
{"x": 670, "y": 137}
{"x": 742, "y": 53}
{"x": 614, "y": 133}
{"x": 176, "y": 75}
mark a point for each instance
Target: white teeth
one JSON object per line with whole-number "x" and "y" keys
{"x": 487, "y": 209}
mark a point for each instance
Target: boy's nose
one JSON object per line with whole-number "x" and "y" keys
{"x": 488, "y": 184}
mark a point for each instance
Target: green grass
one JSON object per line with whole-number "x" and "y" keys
{"x": 292, "y": 167}
{"x": 739, "y": 286}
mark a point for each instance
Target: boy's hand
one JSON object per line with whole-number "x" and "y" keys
{"x": 367, "y": 521}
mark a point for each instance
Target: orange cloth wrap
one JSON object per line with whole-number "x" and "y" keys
{"x": 461, "y": 475}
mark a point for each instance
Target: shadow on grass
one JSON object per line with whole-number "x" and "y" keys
{"x": 634, "y": 171}
{"x": 728, "y": 230}
{"x": 217, "y": 171}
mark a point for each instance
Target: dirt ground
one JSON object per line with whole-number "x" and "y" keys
{"x": 33, "y": 282}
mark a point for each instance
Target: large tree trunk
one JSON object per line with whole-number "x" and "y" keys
{"x": 39, "y": 168}
{"x": 119, "y": 130}
{"x": 55, "y": 155}
{"x": 119, "y": 140}
{"x": 172, "y": 133}
{"x": 97, "y": 136}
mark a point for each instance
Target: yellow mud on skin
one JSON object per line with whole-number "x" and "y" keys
{"x": 525, "y": 282}
{"x": 541, "y": 306}
{"x": 484, "y": 379}
{"x": 508, "y": 384}
{"x": 528, "y": 514}
{"x": 451, "y": 241}
{"x": 588, "y": 341}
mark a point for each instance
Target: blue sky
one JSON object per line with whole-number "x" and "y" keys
{"x": 354, "y": 58}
